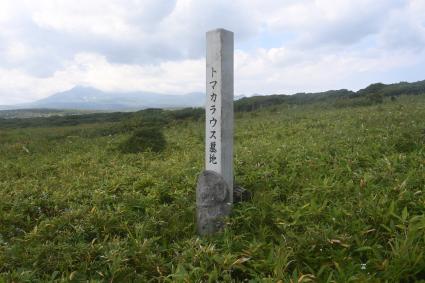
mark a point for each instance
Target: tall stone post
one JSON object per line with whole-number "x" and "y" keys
{"x": 215, "y": 190}
{"x": 219, "y": 105}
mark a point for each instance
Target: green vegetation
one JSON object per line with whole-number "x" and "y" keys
{"x": 373, "y": 94}
{"x": 68, "y": 120}
{"x": 39, "y": 112}
{"x": 337, "y": 197}
{"x": 403, "y": 88}
{"x": 146, "y": 138}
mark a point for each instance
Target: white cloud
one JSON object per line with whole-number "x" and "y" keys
{"x": 158, "y": 45}
{"x": 405, "y": 28}
{"x": 333, "y": 22}
{"x": 16, "y": 51}
{"x": 94, "y": 70}
{"x": 166, "y": 77}
{"x": 112, "y": 19}
{"x": 274, "y": 71}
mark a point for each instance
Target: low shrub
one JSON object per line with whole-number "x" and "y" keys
{"x": 408, "y": 142}
{"x": 144, "y": 139}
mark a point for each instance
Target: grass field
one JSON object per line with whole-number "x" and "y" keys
{"x": 338, "y": 196}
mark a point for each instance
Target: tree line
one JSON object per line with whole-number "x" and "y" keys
{"x": 373, "y": 94}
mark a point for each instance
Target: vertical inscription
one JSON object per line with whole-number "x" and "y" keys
{"x": 214, "y": 191}
{"x": 219, "y": 105}
{"x": 213, "y": 119}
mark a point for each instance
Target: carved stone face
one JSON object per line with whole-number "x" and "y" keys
{"x": 215, "y": 193}
{"x": 212, "y": 202}
{"x": 212, "y": 189}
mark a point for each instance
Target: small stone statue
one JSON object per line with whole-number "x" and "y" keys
{"x": 212, "y": 202}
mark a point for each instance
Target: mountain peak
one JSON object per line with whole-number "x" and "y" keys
{"x": 89, "y": 98}
{"x": 81, "y": 88}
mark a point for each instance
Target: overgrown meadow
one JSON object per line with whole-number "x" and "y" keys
{"x": 338, "y": 196}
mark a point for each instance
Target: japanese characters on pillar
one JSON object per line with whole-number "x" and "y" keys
{"x": 219, "y": 105}
{"x": 214, "y": 191}
{"x": 213, "y": 117}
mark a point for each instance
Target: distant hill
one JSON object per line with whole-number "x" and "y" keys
{"x": 6, "y": 107}
{"x": 87, "y": 98}
{"x": 394, "y": 89}
{"x": 343, "y": 97}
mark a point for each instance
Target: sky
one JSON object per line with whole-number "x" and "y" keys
{"x": 281, "y": 46}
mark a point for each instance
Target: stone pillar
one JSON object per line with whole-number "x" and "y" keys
{"x": 219, "y": 105}
{"x": 214, "y": 192}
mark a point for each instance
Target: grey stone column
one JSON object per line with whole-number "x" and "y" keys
{"x": 214, "y": 191}
{"x": 219, "y": 105}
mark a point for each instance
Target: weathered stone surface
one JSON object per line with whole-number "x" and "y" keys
{"x": 214, "y": 193}
{"x": 219, "y": 105}
{"x": 212, "y": 202}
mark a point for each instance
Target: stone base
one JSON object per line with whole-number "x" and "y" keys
{"x": 213, "y": 202}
